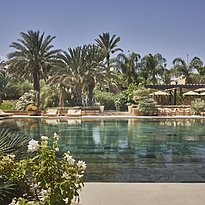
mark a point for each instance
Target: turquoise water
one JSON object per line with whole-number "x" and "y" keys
{"x": 130, "y": 150}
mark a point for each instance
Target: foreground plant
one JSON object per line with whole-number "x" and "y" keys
{"x": 42, "y": 178}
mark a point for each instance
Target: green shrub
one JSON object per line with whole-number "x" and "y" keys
{"x": 105, "y": 98}
{"x": 8, "y": 105}
{"x": 125, "y": 97}
{"x": 198, "y": 106}
{"x": 16, "y": 88}
{"x": 141, "y": 94}
{"x": 121, "y": 101}
{"x": 145, "y": 104}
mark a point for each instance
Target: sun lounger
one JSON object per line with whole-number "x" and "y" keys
{"x": 51, "y": 112}
{"x": 74, "y": 112}
{"x": 5, "y": 114}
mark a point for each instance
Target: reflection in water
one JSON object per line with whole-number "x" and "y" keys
{"x": 73, "y": 121}
{"x": 133, "y": 150}
{"x": 52, "y": 121}
{"x": 96, "y": 135}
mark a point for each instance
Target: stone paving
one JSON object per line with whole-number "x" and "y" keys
{"x": 143, "y": 194}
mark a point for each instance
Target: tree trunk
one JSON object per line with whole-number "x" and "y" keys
{"x": 108, "y": 70}
{"x": 108, "y": 60}
{"x": 78, "y": 95}
{"x": 91, "y": 87}
{"x": 62, "y": 98}
{"x": 36, "y": 87}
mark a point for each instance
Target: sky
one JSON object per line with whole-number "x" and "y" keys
{"x": 173, "y": 28}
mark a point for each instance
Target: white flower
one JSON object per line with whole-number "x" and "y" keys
{"x": 81, "y": 164}
{"x": 44, "y": 141}
{"x": 43, "y": 194}
{"x": 44, "y": 138}
{"x": 8, "y": 158}
{"x": 33, "y": 145}
{"x": 12, "y": 156}
{"x": 65, "y": 175}
{"x": 14, "y": 202}
{"x": 66, "y": 200}
{"x": 56, "y": 136}
{"x": 57, "y": 149}
{"x": 78, "y": 176}
{"x": 69, "y": 158}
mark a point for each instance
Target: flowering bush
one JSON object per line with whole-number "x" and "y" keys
{"x": 198, "y": 106}
{"x": 28, "y": 98}
{"x": 42, "y": 177}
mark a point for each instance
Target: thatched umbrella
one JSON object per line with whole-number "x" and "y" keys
{"x": 160, "y": 96}
{"x": 190, "y": 96}
{"x": 202, "y": 93}
{"x": 159, "y": 93}
{"x": 192, "y": 93}
{"x": 200, "y": 90}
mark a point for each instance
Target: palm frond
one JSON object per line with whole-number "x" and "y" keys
{"x": 7, "y": 192}
{"x": 13, "y": 142}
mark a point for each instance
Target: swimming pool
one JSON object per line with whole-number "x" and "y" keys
{"x": 129, "y": 150}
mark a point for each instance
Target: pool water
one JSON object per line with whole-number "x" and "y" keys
{"x": 130, "y": 150}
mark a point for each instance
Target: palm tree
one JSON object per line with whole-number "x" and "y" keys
{"x": 197, "y": 63}
{"x": 68, "y": 75}
{"x": 81, "y": 69}
{"x": 95, "y": 70}
{"x": 166, "y": 78}
{"x": 128, "y": 66}
{"x": 152, "y": 68}
{"x": 108, "y": 45}
{"x": 3, "y": 80}
{"x": 33, "y": 58}
{"x": 186, "y": 69}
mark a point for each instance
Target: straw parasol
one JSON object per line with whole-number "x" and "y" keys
{"x": 202, "y": 93}
{"x": 159, "y": 93}
{"x": 200, "y": 90}
{"x": 191, "y": 93}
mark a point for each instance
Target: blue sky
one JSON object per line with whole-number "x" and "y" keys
{"x": 173, "y": 28}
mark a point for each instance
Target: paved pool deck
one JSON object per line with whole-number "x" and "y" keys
{"x": 125, "y": 115}
{"x": 143, "y": 194}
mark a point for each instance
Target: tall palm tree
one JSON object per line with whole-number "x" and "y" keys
{"x": 197, "y": 63}
{"x": 128, "y": 65}
{"x": 69, "y": 73}
{"x": 33, "y": 58}
{"x": 95, "y": 70}
{"x": 108, "y": 45}
{"x": 81, "y": 69}
{"x": 186, "y": 69}
{"x": 153, "y": 67}
{"x": 166, "y": 78}
{"x": 3, "y": 80}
